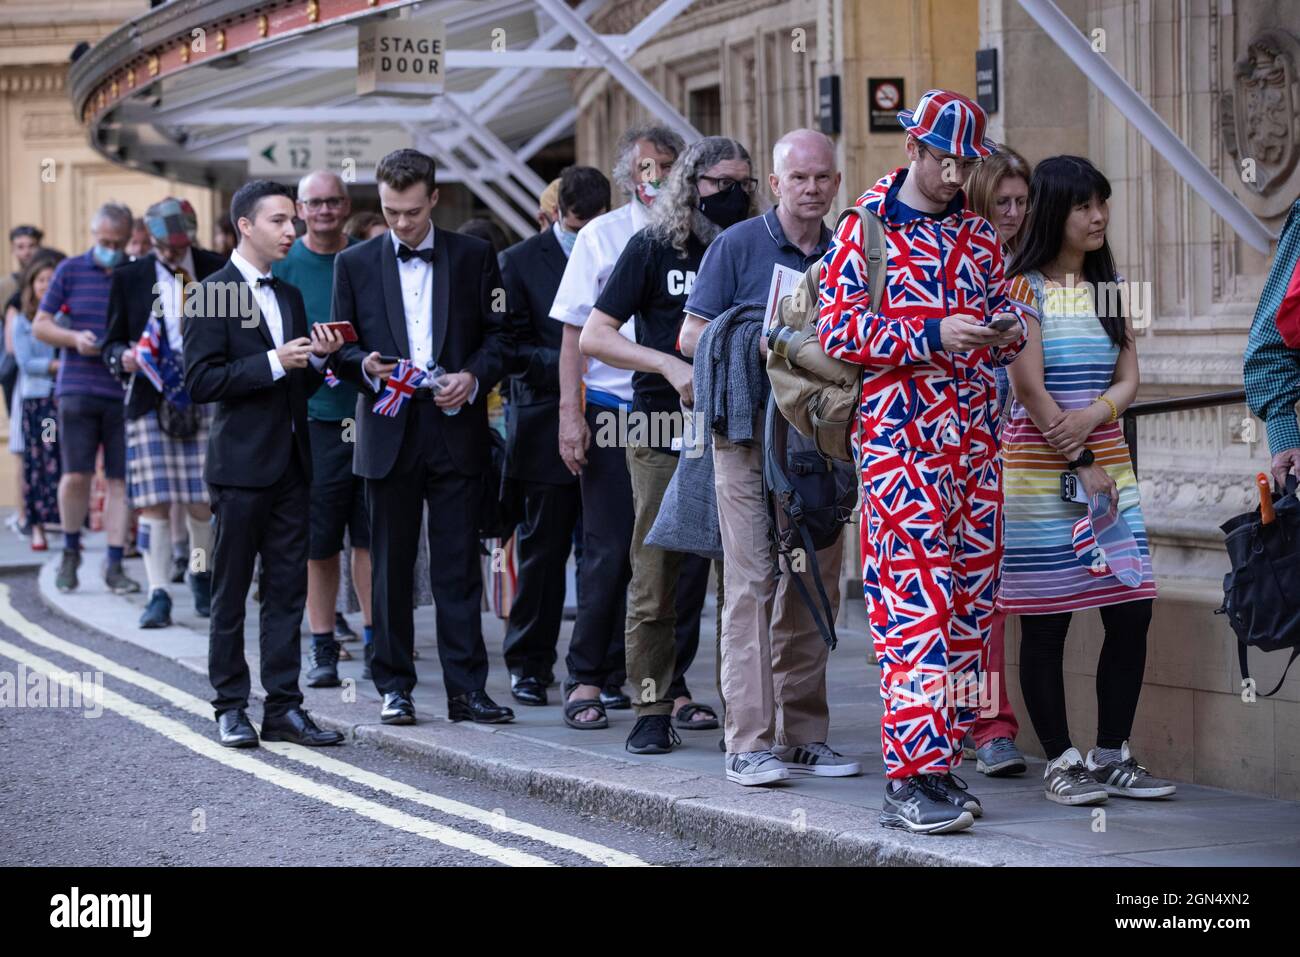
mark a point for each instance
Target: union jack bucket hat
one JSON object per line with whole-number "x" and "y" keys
{"x": 950, "y": 123}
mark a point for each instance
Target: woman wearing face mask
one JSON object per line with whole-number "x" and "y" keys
{"x": 1077, "y": 374}
{"x": 710, "y": 188}
{"x": 999, "y": 191}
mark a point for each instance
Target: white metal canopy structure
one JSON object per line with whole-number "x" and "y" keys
{"x": 179, "y": 90}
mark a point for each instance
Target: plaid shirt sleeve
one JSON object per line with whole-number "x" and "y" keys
{"x": 847, "y": 327}
{"x": 1272, "y": 369}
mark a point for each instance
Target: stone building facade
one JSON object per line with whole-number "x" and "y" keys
{"x": 1223, "y": 76}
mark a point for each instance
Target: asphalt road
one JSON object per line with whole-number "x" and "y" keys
{"x": 142, "y": 783}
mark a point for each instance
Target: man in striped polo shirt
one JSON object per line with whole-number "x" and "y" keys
{"x": 73, "y": 315}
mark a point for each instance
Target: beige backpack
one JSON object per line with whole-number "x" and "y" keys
{"x": 818, "y": 395}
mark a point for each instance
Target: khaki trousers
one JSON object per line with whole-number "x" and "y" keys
{"x": 773, "y": 677}
{"x": 650, "y": 643}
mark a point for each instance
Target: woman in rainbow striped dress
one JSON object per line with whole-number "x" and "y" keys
{"x": 1077, "y": 374}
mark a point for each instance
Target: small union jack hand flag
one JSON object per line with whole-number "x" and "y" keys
{"x": 331, "y": 380}
{"x": 401, "y": 386}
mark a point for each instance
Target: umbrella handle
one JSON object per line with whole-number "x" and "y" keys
{"x": 1266, "y": 513}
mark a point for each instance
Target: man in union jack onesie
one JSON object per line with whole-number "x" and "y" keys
{"x": 931, "y": 474}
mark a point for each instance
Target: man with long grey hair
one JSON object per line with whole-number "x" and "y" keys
{"x": 708, "y": 190}
{"x": 644, "y": 157}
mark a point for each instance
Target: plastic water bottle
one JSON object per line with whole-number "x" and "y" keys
{"x": 436, "y": 375}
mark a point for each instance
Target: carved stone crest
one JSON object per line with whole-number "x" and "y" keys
{"x": 1261, "y": 117}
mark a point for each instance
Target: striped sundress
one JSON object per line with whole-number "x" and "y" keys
{"x": 1041, "y": 573}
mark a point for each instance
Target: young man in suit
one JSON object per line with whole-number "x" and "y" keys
{"x": 247, "y": 351}
{"x": 165, "y": 438}
{"x": 432, "y": 298}
{"x": 531, "y": 271}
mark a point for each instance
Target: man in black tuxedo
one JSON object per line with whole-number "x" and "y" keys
{"x": 165, "y": 439}
{"x": 247, "y": 350}
{"x": 531, "y": 271}
{"x": 433, "y": 298}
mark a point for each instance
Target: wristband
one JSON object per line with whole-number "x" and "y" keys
{"x": 1114, "y": 410}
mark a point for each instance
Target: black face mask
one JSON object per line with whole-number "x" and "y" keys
{"x": 725, "y": 208}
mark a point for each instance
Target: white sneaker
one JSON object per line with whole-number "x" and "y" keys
{"x": 754, "y": 767}
{"x": 816, "y": 759}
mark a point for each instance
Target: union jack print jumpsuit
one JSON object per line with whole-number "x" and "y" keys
{"x": 931, "y": 473}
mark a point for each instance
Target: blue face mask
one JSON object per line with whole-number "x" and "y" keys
{"x": 106, "y": 258}
{"x": 567, "y": 237}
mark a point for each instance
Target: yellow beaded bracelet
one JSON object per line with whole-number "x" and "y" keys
{"x": 1114, "y": 410}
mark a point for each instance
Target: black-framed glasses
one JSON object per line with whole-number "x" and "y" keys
{"x": 724, "y": 183}
{"x": 326, "y": 202}
{"x": 963, "y": 164}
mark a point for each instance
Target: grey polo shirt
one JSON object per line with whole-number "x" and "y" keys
{"x": 737, "y": 266}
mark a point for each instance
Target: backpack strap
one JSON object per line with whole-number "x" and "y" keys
{"x": 875, "y": 251}
{"x": 1245, "y": 672}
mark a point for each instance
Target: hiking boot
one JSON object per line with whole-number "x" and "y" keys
{"x": 201, "y": 589}
{"x": 1068, "y": 781}
{"x": 999, "y": 758}
{"x": 158, "y": 613}
{"x": 1127, "y": 778}
{"x": 66, "y": 580}
{"x": 915, "y": 804}
{"x": 755, "y": 767}
{"x": 118, "y": 582}
{"x": 954, "y": 788}
{"x": 652, "y": 734}
{"x": 816, "y": 759}
{"x": 324, "y": 672}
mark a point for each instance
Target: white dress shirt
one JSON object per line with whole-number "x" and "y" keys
{"x": 415, "y": 276}
{"x": 173, "y": 296}
{"x": 599, "y": 245}
{"x": 269, "y": 308}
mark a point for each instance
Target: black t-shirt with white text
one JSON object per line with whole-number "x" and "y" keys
{"x": 652, "y": 281}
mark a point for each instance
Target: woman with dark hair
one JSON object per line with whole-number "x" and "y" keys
{"x": 365, "y": 225}
{"x": 999, "y": 191}
{"x": 1078, "y": 372}
{"x": 37, "y": 365}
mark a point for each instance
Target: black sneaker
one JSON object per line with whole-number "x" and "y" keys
{"x": 652, "y": 734}
{"x": 118, "y": 582}
{"x": 180, "y": 565}
{"x": 201, "y": 590}
{"x": 324, "y": 671}
{"x": 915, "y": 804}
{"x": 66, "y": 580}
{"x": 158, "y": 613}
{"x": 955, "y": 790}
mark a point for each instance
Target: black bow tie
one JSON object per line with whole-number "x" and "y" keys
{"x": 268, "y": 281}
{"x": 405, "y": 252}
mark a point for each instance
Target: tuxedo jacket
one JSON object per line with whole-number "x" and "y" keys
{"x": 130, "y": 301}
{"x": 531, "y": 273}
{"x": 258, "y": 420}
{"x": 468, "y": 329}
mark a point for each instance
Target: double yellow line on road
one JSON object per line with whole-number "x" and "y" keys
{"x": 245, "y": 762}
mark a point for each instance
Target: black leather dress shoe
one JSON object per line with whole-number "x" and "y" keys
{"x": 529, "y": 691}
{"x": 478, "y": 707}
{"x": 236, "y": 730}
{"x": 397, "y": 709}
{"x": 297, "y": 727}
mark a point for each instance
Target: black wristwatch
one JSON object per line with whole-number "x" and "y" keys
{"x": 1085, "y": 458}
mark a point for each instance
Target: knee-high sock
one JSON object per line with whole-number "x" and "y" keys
{"x": 200, "y": 542}
{"x": 155, "y": 543}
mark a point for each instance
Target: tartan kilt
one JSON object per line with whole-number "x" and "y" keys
{"x": 161, "y": 469}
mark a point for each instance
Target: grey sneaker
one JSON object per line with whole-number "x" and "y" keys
{"x": 816, "y": 759}
{"x": 915, "y": 804}
{"x": 754, "y": 767}
{"x": 999, "y": 758}
{"x": 66, "y": 580}
{"x": 1068, "y": 781}
{"x": 1127, "y": 778}
{"x": 118, "y": 582}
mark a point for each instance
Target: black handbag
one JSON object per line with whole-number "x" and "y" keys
{"x": 1261, "y": 595}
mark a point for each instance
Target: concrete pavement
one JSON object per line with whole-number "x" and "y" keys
{"x": 803, "y": 821}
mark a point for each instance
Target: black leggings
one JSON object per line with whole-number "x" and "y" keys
{"x": 1119, "y": 674}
